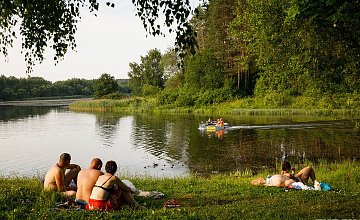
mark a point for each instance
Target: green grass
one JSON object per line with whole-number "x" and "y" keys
{"x": 235, "y": 107}
{"x": 222, "y": 196}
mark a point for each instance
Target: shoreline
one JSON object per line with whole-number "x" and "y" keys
{"x": 44, "y": 102}
{"x": 141, "y": 105}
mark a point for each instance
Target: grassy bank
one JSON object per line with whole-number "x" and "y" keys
{"x": 217, "y": 197}
{"x": 235, "y": 107}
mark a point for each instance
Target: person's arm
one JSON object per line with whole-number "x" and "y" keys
{"x": 72, "y": 166}
{"x": 59, "y": 180}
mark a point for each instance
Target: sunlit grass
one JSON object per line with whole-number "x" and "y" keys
{"x": 221, "y": 196}
{"x": 235, "y": 107}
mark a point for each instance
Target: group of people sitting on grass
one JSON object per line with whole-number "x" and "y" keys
{"x": 105, "y": 191}
{"x": 91, "y": 187}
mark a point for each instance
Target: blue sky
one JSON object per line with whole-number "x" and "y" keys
{"x": 105, "y": 44}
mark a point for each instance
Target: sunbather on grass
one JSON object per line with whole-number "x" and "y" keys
{"x": 302, "y": 176}
{"x": 287, "y": 177}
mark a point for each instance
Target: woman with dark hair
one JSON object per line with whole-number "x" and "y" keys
{"x": 303, "y": 176}
{"x": 110, "y": 192}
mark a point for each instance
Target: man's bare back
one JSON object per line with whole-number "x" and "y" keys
{"x": 87, "y": 179}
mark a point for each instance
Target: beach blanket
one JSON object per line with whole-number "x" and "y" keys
{"x": 147, "y": 194}
{"x": 320, "y": 186}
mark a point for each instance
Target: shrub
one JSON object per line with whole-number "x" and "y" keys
{"x": 167, "y": 96}
{"x": 149, "y": 90}
{"x": 114, "y": 95}
{"x": 185, "y": 99}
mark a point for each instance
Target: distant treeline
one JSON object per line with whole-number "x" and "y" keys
{"x": 12, "y": 88}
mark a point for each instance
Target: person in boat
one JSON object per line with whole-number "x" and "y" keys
{"x": 302, "y": 176}
{"x": 109, "y": 192}
{"x": 57, "y": 179}
{"x": 220, "y": 122}
{"x": 86, "y": 180}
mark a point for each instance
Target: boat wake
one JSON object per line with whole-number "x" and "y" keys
{"x": 280, "y": 126}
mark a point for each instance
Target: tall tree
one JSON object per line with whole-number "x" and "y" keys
{"x": 135, "y": 78}
{"x": 152, "y": 69}
{"x": 105, "y": 85}
{"x": 212, "y": 23}
{"x": 204, "y": 72}
{"x": 149, "y": 72}
{"x": 173, "y": 76}
{"x": 170, "y": 61}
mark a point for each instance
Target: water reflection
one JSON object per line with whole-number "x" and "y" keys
{"x": 167, "y": 145}
{"x": 163, "y": 137}
{"x": 265, "y": 146}
{"x": 106, "y": 127}
{"x": 20, "y": 112}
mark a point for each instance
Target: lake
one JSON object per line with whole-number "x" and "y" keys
{"x": 166, "y": 145}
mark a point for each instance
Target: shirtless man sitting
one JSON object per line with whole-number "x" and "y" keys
{"x": 56, "y": 179}
{"x": 87, "y": 179}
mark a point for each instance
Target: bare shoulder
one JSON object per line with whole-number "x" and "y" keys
{"x": 97, "y": 171}
{"x": 54, "y": 169}
{"x": 94, "y": 173}
{"x": 83, "y": 172}
{"x": 53, "y": 173}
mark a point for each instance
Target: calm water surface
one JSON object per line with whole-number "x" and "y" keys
{"x": 32, "y": 138}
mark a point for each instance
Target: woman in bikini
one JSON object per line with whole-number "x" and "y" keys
{"x": 110, "y": 192}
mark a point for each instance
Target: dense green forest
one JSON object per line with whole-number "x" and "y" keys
{"x": 12, "y": 88}
{"x": 290, "y": 53}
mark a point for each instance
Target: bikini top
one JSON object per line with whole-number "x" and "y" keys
{"x": 111, "y": 190}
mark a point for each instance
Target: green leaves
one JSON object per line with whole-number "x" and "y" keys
{"x": 176, "y": 19}
{"x": 105, "y": 85}
{"x": 149, "y": 73}
{"x": 299, "y": 47}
